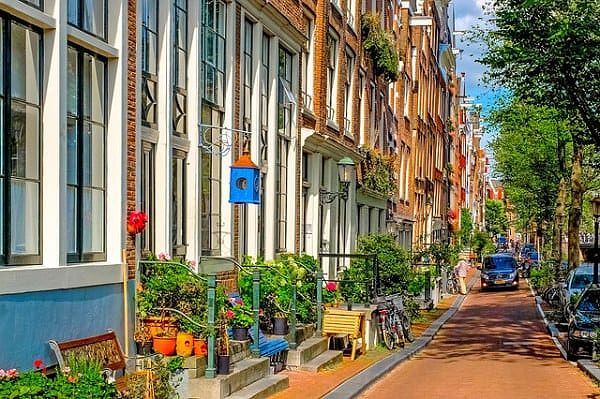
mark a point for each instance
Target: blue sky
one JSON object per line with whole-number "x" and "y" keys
{"x": 468, "y": 14}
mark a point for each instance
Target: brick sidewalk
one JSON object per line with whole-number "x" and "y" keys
{"x": 306, "y": 385}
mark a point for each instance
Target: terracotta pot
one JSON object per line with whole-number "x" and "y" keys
{"x": 200, "y": 347}
{"x": 164, "y": 345}
{"x": 161, "y": 325}
{"x": 185, "y": 344}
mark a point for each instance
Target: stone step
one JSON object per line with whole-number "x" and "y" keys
{"x": 243, "y": 373}
{"x": 306, "y": 351}
{"x": 263, "y": 388}
{"x": 326, "y": 359}
{"x": 303, "y": 332}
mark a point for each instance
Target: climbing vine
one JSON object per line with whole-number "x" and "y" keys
{"x": 378, "y": 172}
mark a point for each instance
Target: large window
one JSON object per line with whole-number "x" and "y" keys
{"x": 20, "y": 83}
{"x": 213, "y": 93}
{"x": 180, "y": 68}
{"x": 178, "y": 207}
{"x": 348, "y": 100}
{"x": 213, "y": 51}
{"x": 149, "y": 52}
{"x": 211, "y": 184}
{"x": 247, "y": 76}
{"x": 285, "y": 101}
{"x": 34, "y": 3}
{"x": 89, "y": 16}
{"x": 86, "y": 137}
{"x": 332, "y": 47}
{"x": 265, "y": 68}
{"x": 147, "y": 195}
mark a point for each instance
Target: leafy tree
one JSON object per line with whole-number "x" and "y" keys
{"x": 548, "y": 52}
{"x": 496, "y": 221}
{"x": 466, "y": 227}
{"x": 482, "y": 244}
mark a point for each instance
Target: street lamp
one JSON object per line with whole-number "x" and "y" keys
{"x": 346, "y": 174}
{"x": 596, "y": 215}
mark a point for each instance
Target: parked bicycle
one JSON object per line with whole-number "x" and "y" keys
{"x": 452, "y": 284}
{"x": 394, "y": 322}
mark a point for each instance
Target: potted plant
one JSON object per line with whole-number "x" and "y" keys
{"x": 241, "y": 320}
{"x": 143, "y": 339}
{"x": 165, "y": 342}
{"x": 193, "y": 326}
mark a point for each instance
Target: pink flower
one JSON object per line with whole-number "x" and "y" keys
{"x": 163, "y": 256}
{"x": 229, "y": 314}
{"x": 192, "y": 263}
{"x": 2, "y": 373}
{"x": 331, "y": 286}
{"x": 66, "y": 370}
{"x": 12, "y": 373}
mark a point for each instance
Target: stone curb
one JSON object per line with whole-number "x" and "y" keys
{"x": 352, "y": 387}
{"x": 551, "y": 327}
{"x": 589, "y": 367}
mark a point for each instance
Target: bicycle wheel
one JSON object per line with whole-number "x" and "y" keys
{"x": 387, "y": 334}
{"x": 407, "y": 328}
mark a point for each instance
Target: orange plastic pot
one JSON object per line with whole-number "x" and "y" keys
{"x": 185, "y": 344}
{"x": 200, "y": 347}
{"x": 164, "y": 345}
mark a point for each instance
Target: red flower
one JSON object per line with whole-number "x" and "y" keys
{"x": 229, "y": 314}
{"x": 136, "y": 222}
{"x": 38, "y": 363}
{"x": 331, "y": 286}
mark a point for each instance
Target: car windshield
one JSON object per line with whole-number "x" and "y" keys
{"x": 590, "y": 302}
{"x": 499, "y": 262}
{"x": 581, "y": 280}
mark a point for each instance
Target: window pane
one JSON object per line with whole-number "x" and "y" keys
{"x": 72, "y": 73}
{"x": 152, "y": 53}
{"x": 71, "y": 219}
{"x": 72, "y": 152}
{"x": 93, "y": 88}
{"x": 73, "y": 12}
{"x": 24, "y": 151}
{"x": 93, "y": 17}
{"x": 93, "y": 156}
{"x": 24, "y": 231}
{"x": 25, "y": 53}
{"x": 92, "y": 212}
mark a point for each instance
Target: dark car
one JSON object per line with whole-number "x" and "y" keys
{"x": 499, "y": 270}
{"x": 583, "y": 321}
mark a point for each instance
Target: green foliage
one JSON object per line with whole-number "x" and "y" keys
{"x": 83, "y": 379}
{"x": 242, "y": 316}
{"x": 440, "y": 254}
{"x": 172, "y": 284}
{"x": 380, "y": 45}
{"x": 496, "y": 221}
{"x": 466, "y": 227}
{"x": 482, "y": 244}
{"x": 547, "y": 51}
{"x": 394, "y": 268}
{"x": 166, "y": 375}
{"x": 542, "y": 277}
{"x": 528, "y": 147}
{"x": 378, "y": 172}
{"x": 276, "y": 289}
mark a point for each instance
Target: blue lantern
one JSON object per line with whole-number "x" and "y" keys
{"x": 244, "y": 184}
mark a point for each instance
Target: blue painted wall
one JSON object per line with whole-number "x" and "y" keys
{"x": 29, "y": 320}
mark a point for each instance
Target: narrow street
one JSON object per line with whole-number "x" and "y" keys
{"x": 494, "y": 347}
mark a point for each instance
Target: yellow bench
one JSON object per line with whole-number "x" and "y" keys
{"x": 346, "y": 322}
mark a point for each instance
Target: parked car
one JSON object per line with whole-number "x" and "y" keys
{"x": 584, "y": 320}
{"x": 578, "y": 279}
{"x": 525, "y": 249}
{"x": 499, "y": 270}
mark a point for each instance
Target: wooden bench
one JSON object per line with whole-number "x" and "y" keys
{"x": 346, "y": 322}
{"x": 103, "y": 348}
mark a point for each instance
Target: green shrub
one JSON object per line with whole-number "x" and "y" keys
{"x": 541, "y": 277}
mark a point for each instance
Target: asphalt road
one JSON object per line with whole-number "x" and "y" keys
{"x": 495, "y": 346}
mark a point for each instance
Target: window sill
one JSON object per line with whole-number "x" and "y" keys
{"x": 28, "y": 13}
{"x": 91, "y": 43}
{"x": 333, "y": 125}
{"x": 20, "y": 279}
